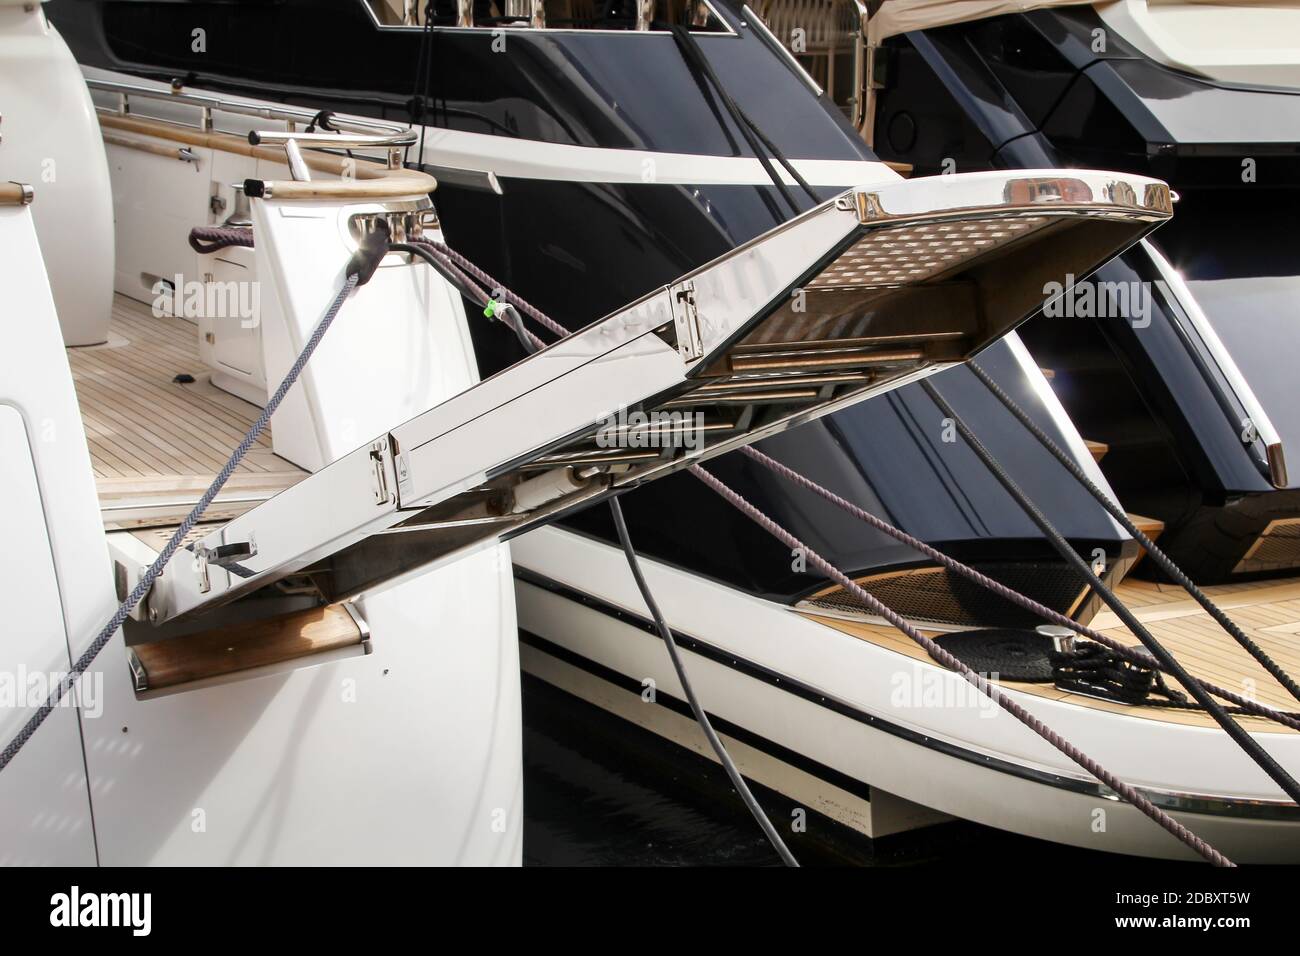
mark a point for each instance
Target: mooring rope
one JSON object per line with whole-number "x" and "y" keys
{"x": 1262, "y": 758}
{"x": 359, "y": 271}
{"x": 495, "y": 287}
{"x": 208, "y": 239}
{"x": 985, "y": 687}
{"x": 467, "y": 276}
{"x": 1153, "y": 551}
{"x": 1135, "y": 655}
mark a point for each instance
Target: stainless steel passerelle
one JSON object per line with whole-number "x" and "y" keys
{"x": 779, "y": 344}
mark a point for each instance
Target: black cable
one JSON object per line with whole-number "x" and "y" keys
{"x": 503, "y": 312}
{"x": 780, "y": 157}
{"x": 666, "y": 633}
{"x": 423, "y": 71}
{"x": 699, "y": 63}
{"x": 1167, "y": 661}
{"x": 1166, "y": 563}
{"x": 462, "y": 283}
{"x": 1116, "y": 511}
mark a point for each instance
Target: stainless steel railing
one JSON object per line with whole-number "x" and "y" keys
{"x": 365, "y": 133}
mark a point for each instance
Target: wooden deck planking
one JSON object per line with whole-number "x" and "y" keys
{"x": 156, "y": 444}
{"x": 1268, "y": 612}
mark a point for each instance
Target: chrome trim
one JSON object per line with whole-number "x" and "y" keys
{"x": 406, "y": 137}
{"x": 354, "y": 612}
{"x": 26, "y": 192}
{"x": 293, "y": 142}
{"x": 297, "y": 165}
{"x": 1074, "y": 442}
{"x": 645, "y": 14}
{"x": 1236, "y": 807}
{"x": 206, "y": 103}
{"x": 139, "y": 676}
{"x": 766, "y": 34}
{"x": 1274, "y": 467}
{"x": 726, "y": 30}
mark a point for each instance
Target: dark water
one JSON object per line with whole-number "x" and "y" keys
{"x": 599, "y": 791}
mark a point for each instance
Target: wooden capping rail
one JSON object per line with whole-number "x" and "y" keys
{"x": 370, "y": 180}
{"x": 158, "y": 149}
{"x": 229, "y": 649}
{"x": 15, "y": 194}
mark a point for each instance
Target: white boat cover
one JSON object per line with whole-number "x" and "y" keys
{"x": 904, "y": 16}
{"x": 1241, "y": 41}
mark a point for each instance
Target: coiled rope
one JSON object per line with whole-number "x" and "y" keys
{"x": 1262, "y": 758}
{"x": 989, "y": 690}
{"x": 1153, "y": 551}
{"x": 1135, "y": 655}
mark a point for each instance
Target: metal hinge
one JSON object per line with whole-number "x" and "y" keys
{"x": 223, "y": 556}
{"x": 686, "y": 320}
{"x": 379, "y": 473}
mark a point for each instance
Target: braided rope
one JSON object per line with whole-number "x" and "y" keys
{"x": 1166, "y": 563}
{"x": 494, "y": 286}
{"x": 1129, "y": 793}
{"x": 1133, "y": 654}
{"x": 147, "y": 579}
{"x": 206, "y": 239}
{"x": 1168, "y": 662}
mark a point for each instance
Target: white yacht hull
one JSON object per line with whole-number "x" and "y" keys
{"x": 863, "y": 720}
{"x": 401, "y": 749}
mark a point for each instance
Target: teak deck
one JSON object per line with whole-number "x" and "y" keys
{"x": 155, "y": 444}
{"x": 1268, "y": 611}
